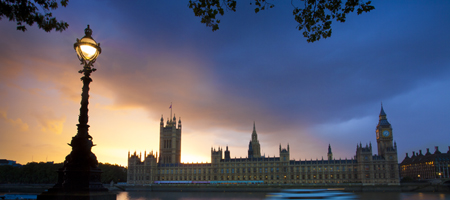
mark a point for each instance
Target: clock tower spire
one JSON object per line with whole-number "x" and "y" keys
{"x": 384, "y": 134}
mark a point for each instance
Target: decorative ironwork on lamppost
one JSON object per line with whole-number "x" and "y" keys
{"x": 87, "y": 51}
{"x": 81, "y": 170}
{"x": 80, "y": 177}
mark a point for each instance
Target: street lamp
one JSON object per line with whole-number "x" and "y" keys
{"x": 80, "y": 177}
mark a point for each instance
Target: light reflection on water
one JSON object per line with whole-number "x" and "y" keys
{"x": 147, "y": 195}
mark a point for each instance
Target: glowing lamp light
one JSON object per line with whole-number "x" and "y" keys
{"x": 87, "y": 49}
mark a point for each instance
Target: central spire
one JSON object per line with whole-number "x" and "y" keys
{"x": 254, "y": 135}
{"x": 254, "y": 148}
{"x": 382, "y": 118}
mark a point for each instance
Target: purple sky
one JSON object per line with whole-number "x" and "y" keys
{"x": 256, "y": 67}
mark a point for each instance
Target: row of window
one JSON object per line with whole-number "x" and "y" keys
{"x": 262, "y": 177}
{"x": 255, "y": 170}
{"x": 378, "y": 167}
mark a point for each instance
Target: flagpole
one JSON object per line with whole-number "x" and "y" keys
{"x": 170, "y": 111}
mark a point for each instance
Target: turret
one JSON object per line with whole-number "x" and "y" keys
{"x": 329, "y": 154}
{"x": 284, "y": 154}
{"x": 174, "y": 120}
{"x": 216, "y": 156}
{"x": 436, "y": 150}
{"x": 227, "y": 154}
{"x": 254, "y": 146}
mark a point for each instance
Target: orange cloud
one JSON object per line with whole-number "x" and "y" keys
{"x": 16, "y": 123}
{"x": 49, "y": 122}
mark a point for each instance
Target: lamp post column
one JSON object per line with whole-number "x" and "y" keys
{"x": 80, "y": 177}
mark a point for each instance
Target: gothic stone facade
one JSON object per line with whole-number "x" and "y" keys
{"x": 428, "y": 166}
{"x": 364, "y": 167}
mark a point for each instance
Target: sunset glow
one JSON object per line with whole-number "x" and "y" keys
{"x": 256, "y": 68}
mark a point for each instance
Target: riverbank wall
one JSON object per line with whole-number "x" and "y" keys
{"x": 353, "y": 187}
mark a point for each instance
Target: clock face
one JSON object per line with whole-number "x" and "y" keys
{"x": 386, "y": 133}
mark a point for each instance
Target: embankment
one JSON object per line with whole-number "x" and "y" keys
{"x": 354, "y": 187}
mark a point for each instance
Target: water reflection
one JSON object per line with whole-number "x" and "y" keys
{"x": 403, "y": 196}
{"x": 147, "y": 195}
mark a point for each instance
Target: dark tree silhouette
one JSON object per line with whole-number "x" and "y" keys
{"x": 314, "y": 17}
{"x": 45, "y": 173}
{"x": 26, "y": 12}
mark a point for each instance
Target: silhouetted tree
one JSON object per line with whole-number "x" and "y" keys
{"x": 314, "y": 17}
{"x": 41, "y": 173}
{"x": 30, "y": 173}
{"x": 26, "y": 12}
{"x": 114, "y": 173}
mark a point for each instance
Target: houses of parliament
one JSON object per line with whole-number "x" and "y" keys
{"x": 365, "y": 167}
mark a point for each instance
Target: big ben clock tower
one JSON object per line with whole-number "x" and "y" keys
{"x": 384, "y": 134}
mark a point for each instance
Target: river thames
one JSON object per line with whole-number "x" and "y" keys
{"x": 146, "y": 195}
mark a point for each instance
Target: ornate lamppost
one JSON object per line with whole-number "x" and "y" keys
{"x": 80, "y": 177}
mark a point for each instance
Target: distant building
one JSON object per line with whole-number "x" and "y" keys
{"x": 428, "y": 166}
{"x": 9, "y": 162}
{"x": 364, "y": 167}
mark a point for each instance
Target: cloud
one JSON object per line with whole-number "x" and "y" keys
{"x": 48, "y": 122}
{"x": 18, "y": 123}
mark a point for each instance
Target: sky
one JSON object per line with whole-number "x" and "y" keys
{"x": 257, "y": 68}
